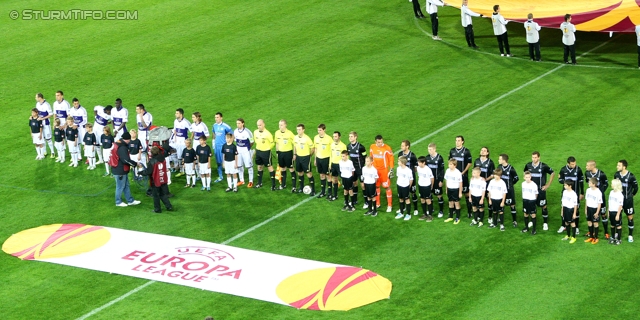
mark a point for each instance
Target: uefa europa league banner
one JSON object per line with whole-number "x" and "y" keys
{"x": 300, "y": 283}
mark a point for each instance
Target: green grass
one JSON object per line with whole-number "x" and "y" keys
{"x": 358, "y": 65}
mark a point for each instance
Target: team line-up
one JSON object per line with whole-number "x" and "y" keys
{"x": 416, "y": 177}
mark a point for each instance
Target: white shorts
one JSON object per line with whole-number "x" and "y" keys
{"x": 106, "y": 154}
{"x": 189, "y": 168}
{"x": 230, "y": 167}
{"x": 72, "y": 148}
{"x": 36, "y": 138}
{"x": 89, "y": 151}
{"x": 59, "y": 146}
{"x": 142, "y": 136}
{"x": 202, "y": 169}
{"x": 81, "y": 132}
{"x": 98, "y": 130}
{"x": 46, "y": 132}
{"x": 179, "y": 146}
{"x": 244, "y": 158}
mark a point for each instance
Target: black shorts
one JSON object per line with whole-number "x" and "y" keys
{"x": 453, "y": 195}
{"x": 322, "y": 165}
{"x": 425, "y": 192}
{"x": 285, "y": 159}
{"x": 303, "y": 163}
{"x": 592, "y": 214}
{"x": 613, "y": 221}
{"x": 403, "y": 192}
{"x": 627, "y": 206}
{"x": 335, "y": 170}
{"x": 529, "y": 206}
{"x": 347, "y": 183}
{"x": 475, "y": 201}
{"x": 567, "y": 215}
{"x": 263, "y": 158}
{"x": 511, "y": 198}
{"x": 358, "y": 174}
{"x": 465, "y": 184}
{"x": 370, "y": 190}
{"x": 542, "y": 198}
{"x": 495, "y": 206}
{"x": 435, "y": 189}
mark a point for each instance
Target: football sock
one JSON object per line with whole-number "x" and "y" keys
{"x": 501, "y": 218}
{"x": 272, "y": 174}
{"x": 613, "y": 231}
{"x": 513, "y": 214}
{"x": 335, "y": 190}
{"x": 372, "y": 204}
{"x": 260, "y": 172}
{"x": 568, "y": 228}
{"x": 235, "y": 182}
{"x": 605, "y": 223}
{"x": 229, "y": 182}
{"x": 458, "y": 214}
{"x": 241, "y": 173}
{"x": 283, "y": 178}
{"x": 545, "y": 215}
{"x": 250, "y": 173}
{"x": 346, "y": 199}
{"x": 441, "y": 203}
{"x": 209, "y": 182}
{"x": 573, "y": 232}
{"x": 402, "y": 206}
{"x": 526, "y": 222}
{"x": 323, "y": 185}
{"x": 313, "y": 184}
{"x": 480, "y": 215}
{"x": 99, "y": 154}
{"x": 354, "y": 198}
{"x": 595, "y": 232}
{"x": 389, "y": 197}
{"x": 577, "y": 221}
{"x": 38, "y": 151}
{"x": 293, "y": 179}
{"x": 631, "y": 227}
{"x": 475, "y": 215}
{"x": 377, "y": 196}
{"x": 414, "y": 197}
{"x": 424, "y": 208}
{"x": 301, "y": 181}
{"x": 220, "y": 170}
{"x": 494, "y": 220}
{"x": 355, "y": 192}
{"x": 330, "y": 191}
{"x": 469, "y": 207}
{"x": 188, "y": 179}
{"x": 430, "y": 207}
{"x": 591, "y": 230}
{"x": 50, "y": 143}
{"x": 533, "y": 220}
{"x": 451, "y": 210}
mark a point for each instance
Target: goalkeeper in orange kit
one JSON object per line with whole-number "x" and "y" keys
{"x": 383, "y": 162}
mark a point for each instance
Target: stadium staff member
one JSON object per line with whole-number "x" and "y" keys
{"x": 121, "y": 172}
{"x": 467, "y": 23}
{"x": 568, "y": 39}
{"x": 158, "y": 176}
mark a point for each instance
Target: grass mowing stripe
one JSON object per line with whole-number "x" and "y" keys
{"x": 61, "y": 192}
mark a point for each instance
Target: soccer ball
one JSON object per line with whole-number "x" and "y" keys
{"x": 306, "y": 189}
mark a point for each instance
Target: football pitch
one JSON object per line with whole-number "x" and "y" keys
{"x": 367, "y": 66}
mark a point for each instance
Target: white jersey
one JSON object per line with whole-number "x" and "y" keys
{"x": 346, "y": 168}
{"x": 101, "y": 117}
{"x": 569, "y": 199}
{"x": 369, "y": 175}
{"x": 432, "y": 6}
{"x": 453, "y": 178}
{"x": 532, "y": 28}
{"x": 120, "y": 117}
{"x": 568, "y": 33}
{"x": 593, "y": 197}
{"x": 61, "y": 109}
{"x": 79, "y": 115}
{"x": 148, "y": 120}
{"x": 44, "y": 109}
{"x": 466, "y": 15}
{"x": 477, "y": 187}
{"x": 244, "y": 139}
{"x": 405, "y": 176}
{"x": 199, "y": 129}
{"x": 181, "y": 129}
{"x": 499, "y": 24}
{"x": 638, "y": 34}
{"x": 529, "y": 190}
{"x": 425, "y": 175}
{"x": 497, "y": 189}
{"x": 616, "y": 200}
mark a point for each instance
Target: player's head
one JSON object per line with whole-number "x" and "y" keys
{"x": 379, "y": 141}
{"x": 496, "y": 8}
{"x": 282, "y": 125}
{"x": 567, "y": 17}
{"x": 530, "y": 16}
{"x": 39, "y": 97}
{"x": 568, "y": 184}
{"x": 459, "y": 142}
{"x": 107, "y": 131}
{"x": 484, "y": 152}
{"x": 34, "y": 112}
{"x": 368, "y": 160}
{"x": 336, "y": 136}
{"x": 593, "y": 182}
{"x": 402, "y": 161}
{"x": 616, "y": 185}
{"x": 59, "y": 96}
{"x": 422, "y": 160}
{"x": 464, "y": 2}
{"x": 107, "y": 109}
{"x": 133, "y": 133}
{"x": 203, "y": 140}
{"x": 475, "y": 172}
{"x": 321, "y": 129}
{"x": 353, "y": 137}
{"x": 76, "y": 102}
{"x": 300, "y": 129}
{"x": 591, "y": 165}
{"x": 140, "y": 108}
{"x": 118, "y": 103}
{"x": 497, "y": 174}
{"x": 218, "y": 117}
{"x": 240, "y": 123}
{"x": 503, "y": 159}
{"x": 527, "y": 176}
{"x": 344, "y": 155}
{"x": 56, "y": 121}
{"x": 89, "y": 127}
{"x": 69, "y": 120}
{"x": 571, "y": 162}
{"x": 196, "y": 117}
{"x": 179, "y": 113}
{"x": 187, "y": 143}
{"x": 405, "y": 145}
{"x": 622, "y": 165}
{"x": 453, "y": 163}
{"x": 535, "y": 157}
{"x": 432, "y": 149}
{"x": 260, "y": 125}
{"x": 229, "y": 138}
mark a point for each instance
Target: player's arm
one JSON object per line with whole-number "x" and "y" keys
{"x": 604, "y": 183}
{"x": 634, "y": 185}
{"x": 312, "y": 148}
{"x": 236, "y": 160}
{"x": 469, "y": 160}
{"x": 504, "y": 197}
{"x": 546, "y": 186}
{"x": 460, "y": 189}
{"x": 295, "y": 151}
{"x": 484, "y": 192}
{"x": 561, "y": 177}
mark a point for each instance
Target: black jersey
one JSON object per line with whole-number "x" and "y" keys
{"x": 106, "y": 141}
{"x": 203, "y": 153}
{"x": 71, "y": 134}
{"x": 575, "y": 176}
{"x": 629, "y": 184}
{"x": 35, "y": 125}
{"x": 412, "y": 161}
{"x": 486, "y": 167}
{"x": 229, "y": 151}
{"x": 357, "y": 153}
{"x": 603, "y": 182}
{"x": 188, "y": 155}
{"x": 89, "y": 139}
{"x": 134, "y": 146}
{"x": 436, "y": 164}
{"x": 539, "y": 173}
{"x": 509, "y": 176}
{"x": 463, "y": 155}
{"x": 58, "y": 134}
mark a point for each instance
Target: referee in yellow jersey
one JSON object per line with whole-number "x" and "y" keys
{"x": 264, "y": 143}
{"x": 322, "y": 145}
{"x": 302, "y": 151}
{"x": 284, "y": 151}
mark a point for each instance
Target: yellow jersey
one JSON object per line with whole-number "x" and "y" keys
{"x": 336, "y": 152}
{"x": 322, "y": 146}
{"x": 303, "y": 145}
{"x": 284, "y": 140}
{"x": 264, "y": 140}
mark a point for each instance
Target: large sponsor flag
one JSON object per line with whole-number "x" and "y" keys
{"x": 587, "y": 15}
{"x": 300, "y": 283}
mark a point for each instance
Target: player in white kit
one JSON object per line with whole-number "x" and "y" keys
{"x": 181, "y": 128}
{"x": 44, "y": 113}
{"x": 102, "y": 117}
{"x": 79, "y": 114}
{"x": 244, "y": 142}
{"x": 120, "y": 117}
{"x": 144, "y": 120}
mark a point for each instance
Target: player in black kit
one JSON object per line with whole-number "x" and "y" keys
{"x": 603, "y": 183}
{"x": 463, "y": 156}
{"x": 436, "y": 163}
{"x": 510, "y": 178}
{"x": 539, "y": 171}
{"x": 412, "y": 163}
{"x": 572, "y": 172}
{"x": 629, "y": 190}
{"x": 357, "y": 153}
